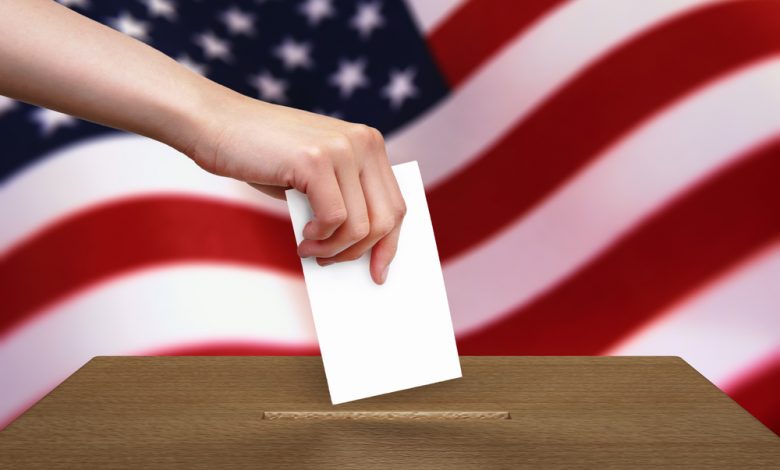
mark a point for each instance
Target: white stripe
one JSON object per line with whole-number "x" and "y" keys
{"x": 515, "y": 82}
{"x": 736, "y": 381}
{"x": 146, "y": 311}
{"x": 623, "y": 186}
{"x": 430, "y": 13}
{"x": 448, "y": 137}
{"x": 725, "y": 328}
{"x": 107, "y": 168}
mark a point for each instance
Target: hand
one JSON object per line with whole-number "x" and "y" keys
{"x": 342, "y": 167}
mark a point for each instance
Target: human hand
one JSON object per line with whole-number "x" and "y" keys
{"x": 342, "y": 167}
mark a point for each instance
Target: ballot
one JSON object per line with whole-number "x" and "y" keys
{"x": 376, "y": 339}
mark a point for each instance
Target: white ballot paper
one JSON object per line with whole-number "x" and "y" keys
{"x": 376, "y": 339}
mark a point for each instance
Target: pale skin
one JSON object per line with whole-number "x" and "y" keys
{"x": 53, "y": 57}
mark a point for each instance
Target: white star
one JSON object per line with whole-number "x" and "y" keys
{"x": 317, "y": 10}
{"x": 6, "y": 105}
{"x": 50, "y": 120}
{"x": 130, "y": 26}
{"x": 270, "y": 87}
{"x": 75, "y": 3}
{"x": 239, "y": 22}
{"x": 196, "y": 67}
{"x": 294, "y": 54}
{"x": 401, "y": 87}
{"x": 163, "y": 8}
{"x": 350, "y": 76}
{"x": 367, "y": 18}
{"x": 214, "y": 47}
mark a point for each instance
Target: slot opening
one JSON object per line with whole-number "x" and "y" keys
{"x": 386, "y": 415}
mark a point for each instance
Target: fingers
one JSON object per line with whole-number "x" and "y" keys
{"x": 386, "y": 210}
{"x": 355, "y": 198}
{"x": 380, "y": 216}
{"x": 356, "y": 225}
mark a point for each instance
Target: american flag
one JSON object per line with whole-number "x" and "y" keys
{"x": 603, "y": 178}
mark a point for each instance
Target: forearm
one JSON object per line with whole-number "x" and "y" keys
{"x": 56, "y": 58}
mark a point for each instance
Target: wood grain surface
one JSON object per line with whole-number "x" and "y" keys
{"x": 566, "y": 412}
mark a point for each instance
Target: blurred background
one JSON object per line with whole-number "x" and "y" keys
{"x": 603, "y": 178}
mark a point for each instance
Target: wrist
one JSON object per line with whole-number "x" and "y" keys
{"x": 199, "y": 119}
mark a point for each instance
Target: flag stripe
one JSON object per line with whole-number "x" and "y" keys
{"x": 563, "y": 135}
{"x": 659, "y": 262}
{"x": 722, "y": 328}
{"x": 123, "y": 166}
{"x": 758, "y": 393}
{"x": 681, "y": 146}
{"x": 486, "y": 105}
{"x": 101, "y": 242}
{"x": 465, "y": 41}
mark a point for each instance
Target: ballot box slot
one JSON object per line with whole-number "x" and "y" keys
{"x": 386, "y": 415}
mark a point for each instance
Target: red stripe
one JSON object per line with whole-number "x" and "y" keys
{"x": 130, "y": 234}
{"x": 760, "y": 394}
{"x": 478, "y": 29}
{"x": 706, "y": 231}
{"x": 603, "y": 103}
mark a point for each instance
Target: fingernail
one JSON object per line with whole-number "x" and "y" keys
{"x": 384, "y": 273}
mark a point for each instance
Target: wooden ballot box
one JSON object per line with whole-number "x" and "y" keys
{"x": 274, "y": 412}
